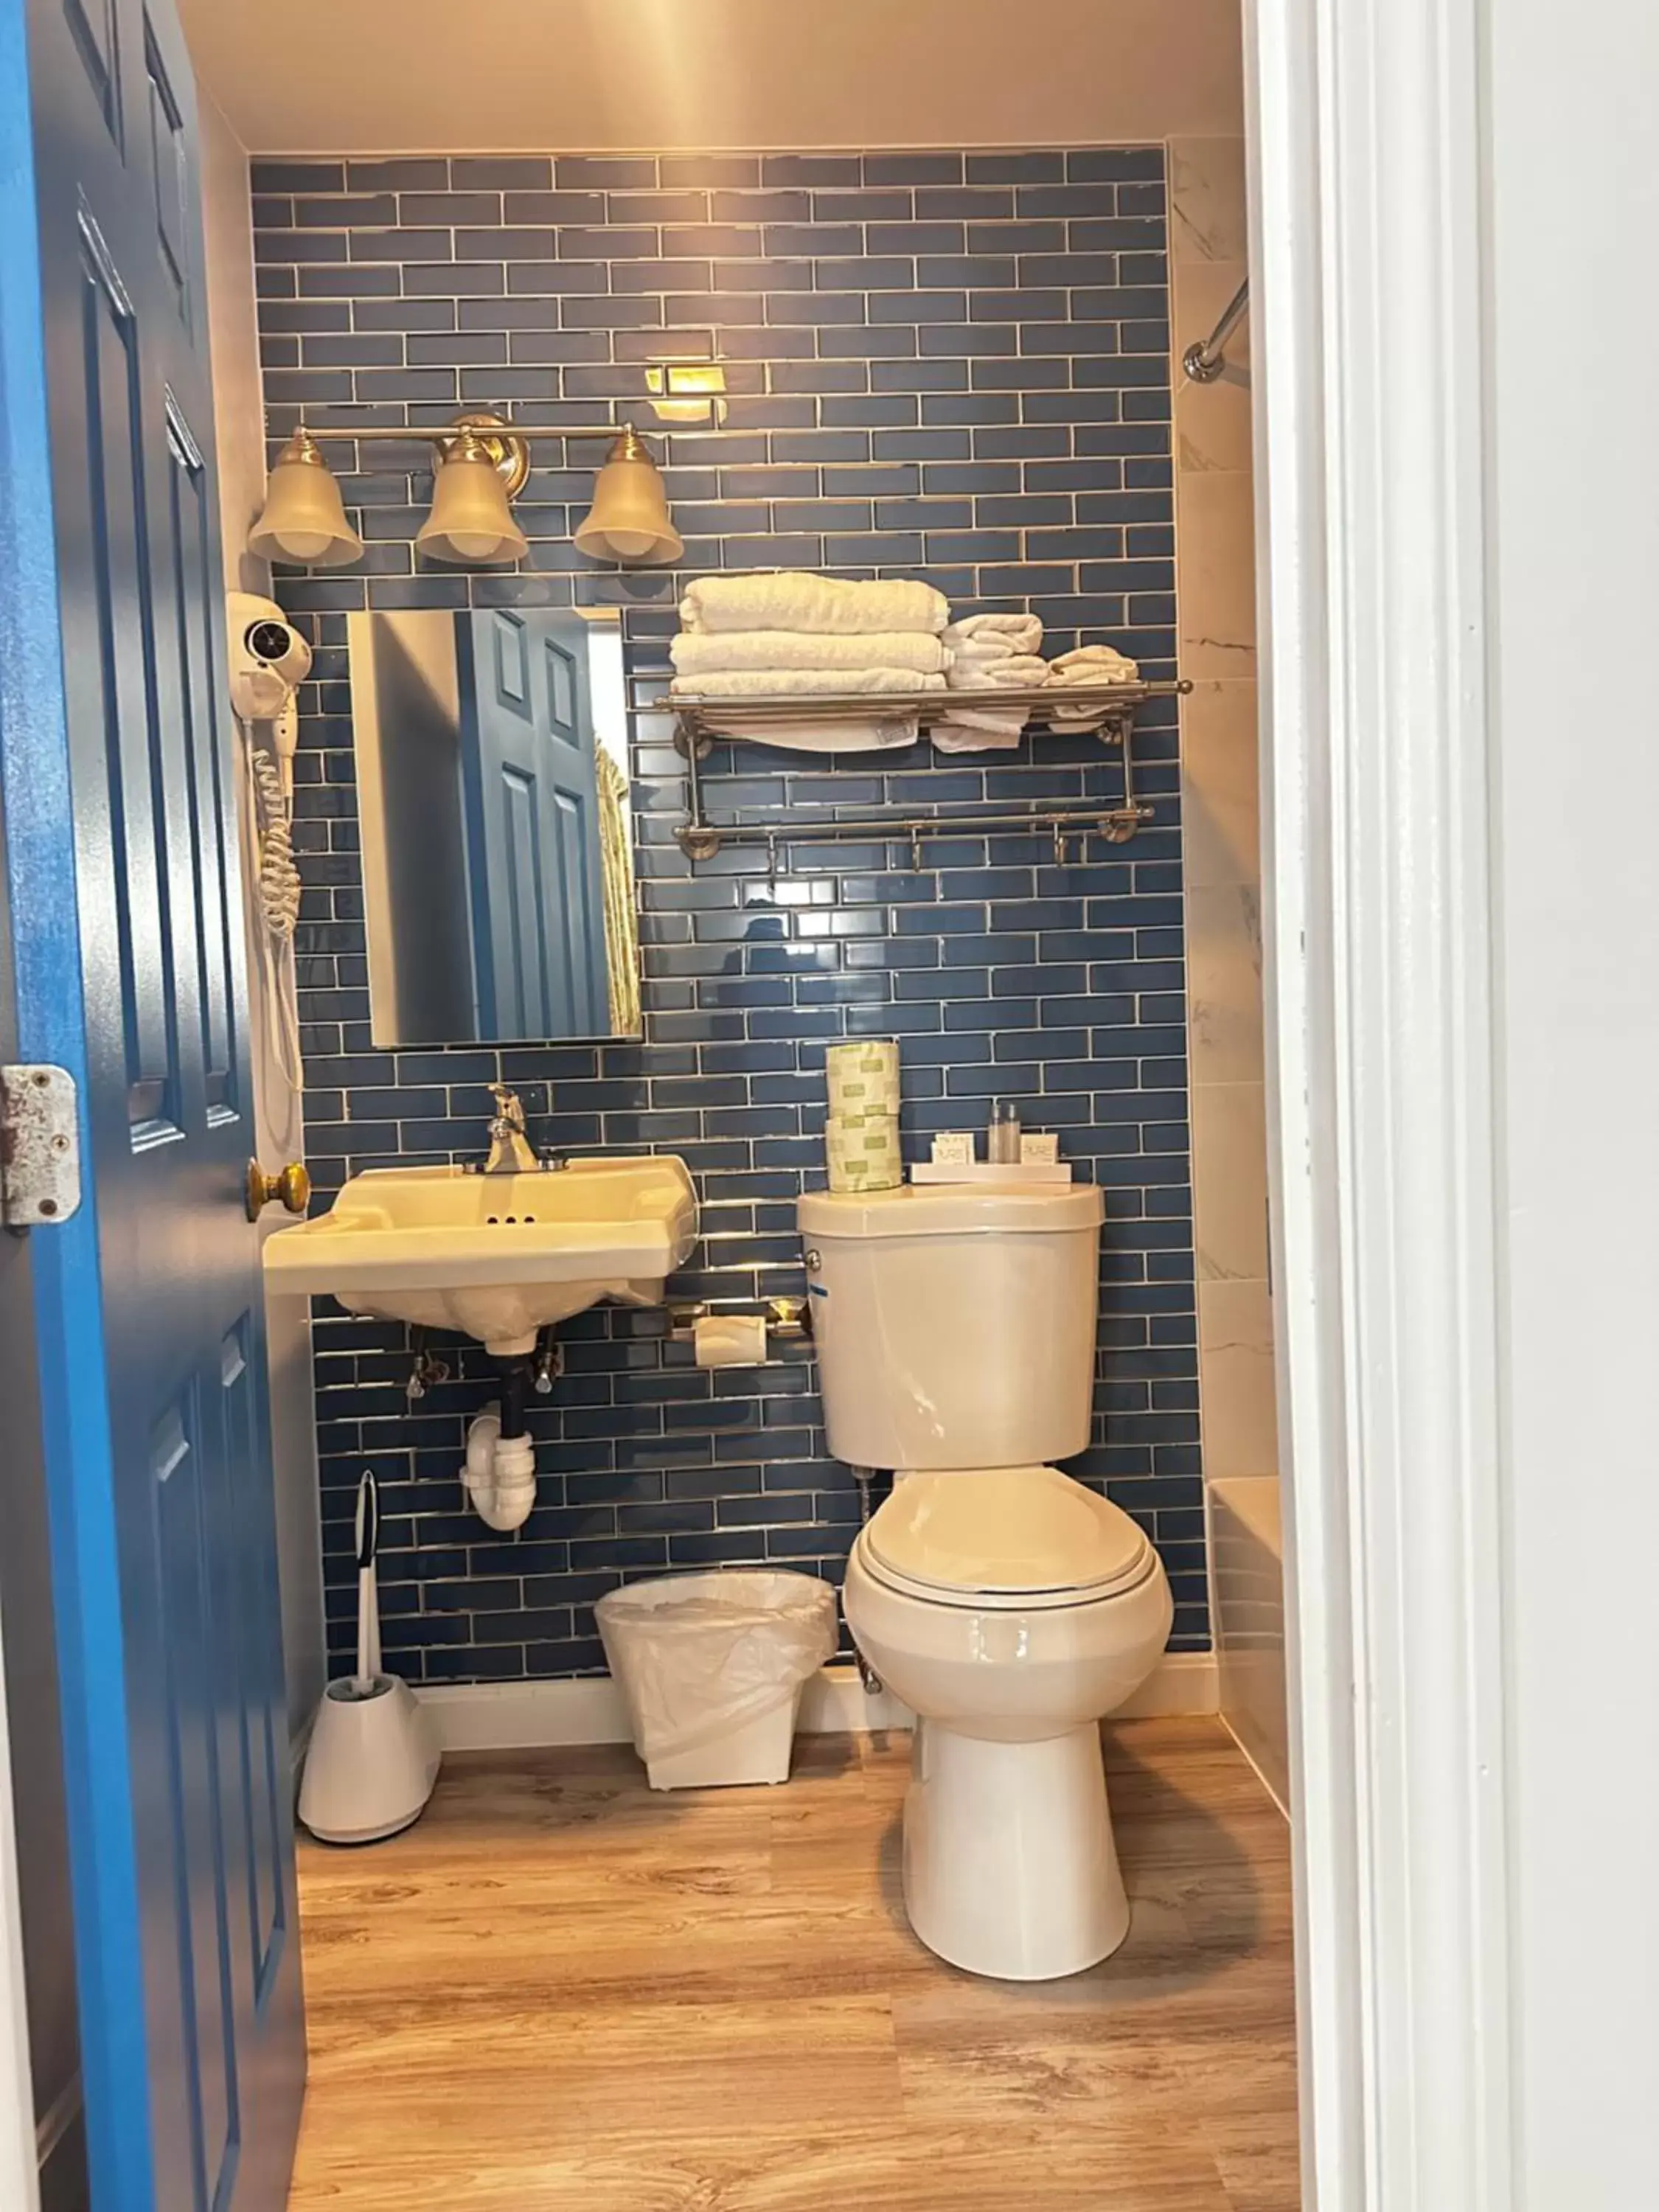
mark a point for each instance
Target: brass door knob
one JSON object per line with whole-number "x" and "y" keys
{"x": 291, "y": 1184}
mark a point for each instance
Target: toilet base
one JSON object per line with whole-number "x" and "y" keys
{"x": 1010, "y": 1865}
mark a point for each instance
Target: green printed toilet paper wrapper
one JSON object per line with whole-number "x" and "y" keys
{"x": 866, "y": 1156}
{"x": 863, "y": 1077}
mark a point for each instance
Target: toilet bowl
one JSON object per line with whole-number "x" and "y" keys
{"x": 1009, "y": 1606}
{"x": 1009, "y": 1609}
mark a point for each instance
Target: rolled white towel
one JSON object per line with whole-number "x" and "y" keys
{"x": 990, "y": 637}
{"x": 696, "y": 652}
{"x": 1089, "y": 664}
{"x": 800, "y": 682}
{"x": 838, "y": 605}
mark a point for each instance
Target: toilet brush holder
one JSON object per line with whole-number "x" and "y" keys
{"x": 372, "y": 1762}
{"x": 373, "y": 1757}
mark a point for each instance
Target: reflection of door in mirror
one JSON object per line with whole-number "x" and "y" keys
{"x": 528, "y": 765}
{"x": 492, "y": 778}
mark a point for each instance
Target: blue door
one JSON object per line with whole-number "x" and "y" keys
{"x": 528, "y": 762}
{"x": 126, "y": 941}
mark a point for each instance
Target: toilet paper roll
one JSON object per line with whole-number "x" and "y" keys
{"x": 864, "y": 1155}
{"x": 863, "y": 1077}
{"x": 730, "y": 1340}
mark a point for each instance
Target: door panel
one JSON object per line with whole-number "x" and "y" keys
{"x": 157, "y": 1424}
{"x": 184, "y": 670}
{"x": 93, "y": 28}
{"x": 529, "y": 767}
{"x": 112, "y": 687}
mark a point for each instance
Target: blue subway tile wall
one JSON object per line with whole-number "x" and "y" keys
{"x": 945, "y": 365}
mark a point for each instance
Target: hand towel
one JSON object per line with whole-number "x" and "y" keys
{"x": 1019, "y": 672}
{"x": 784, "y": 599}
{"x": 1089, "y": 664}
{"x": 984, "y": 728}
{"x": 986, "y": 734}
{"x": 696, "y": 654}
{"x": 1093, "y": 664}
{"x": 756, "y": 683}
{"x": 991, "y": 637}
{"x": 990, "y": 652}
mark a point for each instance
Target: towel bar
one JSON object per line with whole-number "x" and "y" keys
{"x": 1110, "y": 712}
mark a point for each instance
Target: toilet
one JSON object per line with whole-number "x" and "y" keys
{"x": 1007, "y": 1605}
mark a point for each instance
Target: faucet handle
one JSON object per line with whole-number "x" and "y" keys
{"x": 508, "y": 1106}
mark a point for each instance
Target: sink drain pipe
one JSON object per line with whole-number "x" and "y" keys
{"x": 500, "y": 1472}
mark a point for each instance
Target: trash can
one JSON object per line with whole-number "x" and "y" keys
{"x": 713, "y": 1666}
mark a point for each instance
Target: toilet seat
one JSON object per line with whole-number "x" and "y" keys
{"x": 1021, "y": 1538}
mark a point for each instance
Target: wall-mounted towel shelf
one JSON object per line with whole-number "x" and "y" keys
{"x": 1105, "y": 710}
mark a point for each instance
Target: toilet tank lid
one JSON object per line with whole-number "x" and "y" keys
{"x": 1026, "y": 1529}
{"x": 951, "y": 1209}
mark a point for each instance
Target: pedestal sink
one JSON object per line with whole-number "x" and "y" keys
{"x": 496, "y": 1256}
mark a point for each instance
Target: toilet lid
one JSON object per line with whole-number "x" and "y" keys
{"x": 1007, "y": 1531}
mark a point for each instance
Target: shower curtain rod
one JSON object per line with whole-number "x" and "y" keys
{"x": 1206, "y": 358}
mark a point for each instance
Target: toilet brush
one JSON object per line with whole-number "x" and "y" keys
{"x": 374, "y": 1758}
{"x": 368, "y": 1597}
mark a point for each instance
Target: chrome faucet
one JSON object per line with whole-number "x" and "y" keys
{"x": 510, "y": 1152}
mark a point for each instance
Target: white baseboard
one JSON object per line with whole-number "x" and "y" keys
{"x": 542, "y": 1716}
{"x": 1181, "y": 1682}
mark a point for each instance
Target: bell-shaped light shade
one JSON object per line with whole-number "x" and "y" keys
{"x": 628, "y": 520}
{"x": 471, "y": 520}
{"x": 304, "y": 521}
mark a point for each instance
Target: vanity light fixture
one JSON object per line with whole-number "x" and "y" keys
{"x": 481, "y": 464}
{"x": 304, "y": 521}
{"x": 471, "y": 520}
{"x": 629, "y": 520}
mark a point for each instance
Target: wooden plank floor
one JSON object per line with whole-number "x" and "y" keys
{"x": 562, "y": 1991}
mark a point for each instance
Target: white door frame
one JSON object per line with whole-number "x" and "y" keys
{"x": 1367, "y": 351}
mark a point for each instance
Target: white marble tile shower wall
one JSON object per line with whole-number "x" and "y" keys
{"x": 1215, "y": 582}
{"x": 949, "y": 365}
{"x": 1216, "y": 590}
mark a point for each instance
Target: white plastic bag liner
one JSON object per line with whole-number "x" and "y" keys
{"x": 700, "y": 1657}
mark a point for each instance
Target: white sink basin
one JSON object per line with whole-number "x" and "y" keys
{"x": 496, "y": 1256}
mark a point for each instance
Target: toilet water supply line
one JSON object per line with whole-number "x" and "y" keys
{"x": 862, "y": 1479}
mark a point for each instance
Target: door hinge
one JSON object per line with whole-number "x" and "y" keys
{"x": 40, "y": 1147}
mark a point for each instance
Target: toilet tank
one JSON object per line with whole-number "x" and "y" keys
{"x": 955, "y": 1322}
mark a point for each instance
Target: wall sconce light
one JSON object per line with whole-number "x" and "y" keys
{"x": 689, "y": 391}
{"x": 304, "y": 519}
{"x": 629, "y": 520}
{"x": 471, "y": 520}
{"x": 482, "y": 463}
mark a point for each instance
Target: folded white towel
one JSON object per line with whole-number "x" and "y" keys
{"x": 800, "y": 682}
{"x": 1093, "y": 664}
{"x": 1019, "y": 671}
{"x": 989, "y": 637}
{"x": 696, "y": 654}
{"x": 785, "y": 600}
{"x": 852, "y": 735}
{"x": 1089, "y": 664}
{"x": 985, "y": 661}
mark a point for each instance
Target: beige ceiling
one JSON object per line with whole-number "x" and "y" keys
{"x": 418, "y": 76}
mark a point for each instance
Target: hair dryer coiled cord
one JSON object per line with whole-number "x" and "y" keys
{"x": 279, "y": 879}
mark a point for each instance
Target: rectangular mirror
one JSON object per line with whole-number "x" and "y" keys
{"x": 498, "y": 871}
